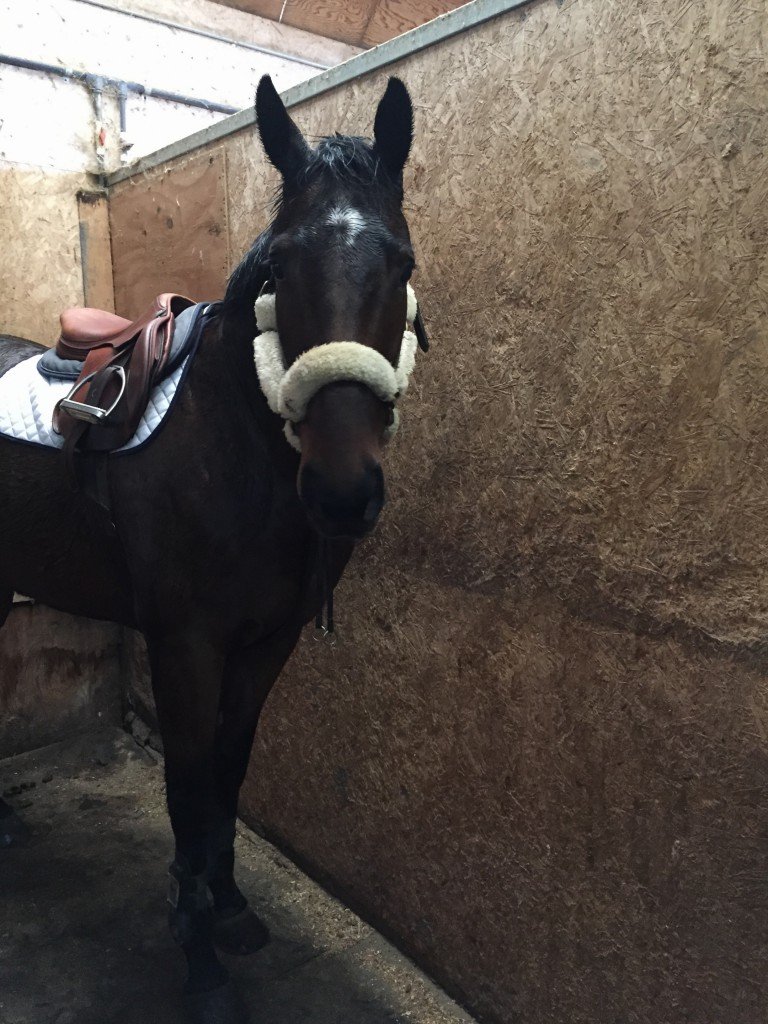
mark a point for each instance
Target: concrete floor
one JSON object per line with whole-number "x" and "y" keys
{"x": 83, "y": 936}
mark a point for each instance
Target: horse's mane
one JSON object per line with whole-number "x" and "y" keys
{"x": 339, "y": 159}
{"x": 249, "y": 275}
{"x": 349, "y": 159}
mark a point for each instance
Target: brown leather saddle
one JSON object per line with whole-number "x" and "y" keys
{"x": 122, "y": 360}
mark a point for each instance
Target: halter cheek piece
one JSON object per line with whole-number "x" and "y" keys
{"x": 289, "y": 391}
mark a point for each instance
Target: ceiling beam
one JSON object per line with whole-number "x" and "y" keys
{"x": 363, "y": 23}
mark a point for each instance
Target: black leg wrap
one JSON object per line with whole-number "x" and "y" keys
{"x": 190, "y": 914}
{"x": 191, "y": 924}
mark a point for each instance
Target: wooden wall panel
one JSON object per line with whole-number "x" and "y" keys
{"x": 169, "y": 233}
{"x": 393, "y": 17}
{"x": 264, "y": 8}
{"x": 96, "y": 250}
{"x": 342, "y": 19}
{"x": 345, "y": 20}
{"x": 358, "y": 22}
{"x": 539, "y": 755}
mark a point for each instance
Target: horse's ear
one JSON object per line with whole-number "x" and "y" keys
{"x": 283, "y": 142}
{"x": 393, "y": 127}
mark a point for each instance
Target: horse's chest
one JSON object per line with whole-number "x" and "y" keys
{"x": 271, "y": 566}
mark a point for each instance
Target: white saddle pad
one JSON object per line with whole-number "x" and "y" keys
{"x": 27, "y": 401}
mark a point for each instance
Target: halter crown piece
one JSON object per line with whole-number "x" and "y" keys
{"x": 289, "y": 391}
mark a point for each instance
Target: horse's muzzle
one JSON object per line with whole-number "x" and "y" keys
{"x": 343, "y": 508}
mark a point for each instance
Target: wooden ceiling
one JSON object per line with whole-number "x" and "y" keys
{"x": 363, "y": 23}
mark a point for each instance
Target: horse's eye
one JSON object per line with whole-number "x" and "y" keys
{"x": 405, "y": 277}
{"x": 277, "y": 271}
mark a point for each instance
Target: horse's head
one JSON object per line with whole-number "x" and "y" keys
{"x": 337, "y": 259}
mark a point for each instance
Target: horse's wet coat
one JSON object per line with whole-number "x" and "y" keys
{"x": 212, "y": 550}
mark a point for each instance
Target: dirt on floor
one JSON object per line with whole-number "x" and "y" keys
{"x": 83, "y": 934}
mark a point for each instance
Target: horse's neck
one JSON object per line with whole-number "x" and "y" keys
{"x": 231, "y": 361}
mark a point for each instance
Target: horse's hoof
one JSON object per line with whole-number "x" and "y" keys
{"x": 240, "y": 934}
{"x": 220, "y": 1005}
{"x": 13, "y": 831}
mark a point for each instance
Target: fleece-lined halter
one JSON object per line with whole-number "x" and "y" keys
{"x": 289, "y": 391}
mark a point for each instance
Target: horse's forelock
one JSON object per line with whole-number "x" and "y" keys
{"x": 345, "y": 158}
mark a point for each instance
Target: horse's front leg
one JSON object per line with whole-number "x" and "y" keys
{"x": 249, "y": 674}
{"x": 187, "y": 672}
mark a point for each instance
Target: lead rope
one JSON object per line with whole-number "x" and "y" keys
{"x": 324, "y": 631}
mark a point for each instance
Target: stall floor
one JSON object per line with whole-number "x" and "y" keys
{"x": 83, "y": 934}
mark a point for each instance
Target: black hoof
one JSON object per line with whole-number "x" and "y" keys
{"x": 13, "y": 831}
{"x": 220, "y": 1005}
{"x": 240, "y": 934}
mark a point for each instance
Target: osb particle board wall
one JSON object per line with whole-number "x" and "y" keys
{"x": 40, "y": 268}
{"x": 540, "y": 756}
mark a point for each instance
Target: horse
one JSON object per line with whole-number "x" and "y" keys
{"x": 222, "y": 540}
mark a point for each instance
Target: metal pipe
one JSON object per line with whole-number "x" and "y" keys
{"x": 91, "y": 80}
{"x": 122, "y": 97}
{"x": 97, "y": 84}
{"x": 208, "y": 35}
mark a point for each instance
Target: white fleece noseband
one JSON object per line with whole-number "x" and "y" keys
{"x": 290, "y": 391}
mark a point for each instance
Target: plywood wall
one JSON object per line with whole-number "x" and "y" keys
{"x": 540, "y": 756}
{"x": 169, "y": 234}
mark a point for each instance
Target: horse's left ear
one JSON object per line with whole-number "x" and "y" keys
{"x": 283, "y": 142}
{"x": 393, "y": 127}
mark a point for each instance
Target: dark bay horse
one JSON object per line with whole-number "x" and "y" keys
{"x": 212, "y": 548}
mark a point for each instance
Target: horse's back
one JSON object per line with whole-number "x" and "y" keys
{"x": 15, "y": 350}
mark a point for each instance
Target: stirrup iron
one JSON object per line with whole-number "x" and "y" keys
{"x": 93, "y": 413}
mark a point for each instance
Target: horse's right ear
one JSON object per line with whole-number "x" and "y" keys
{"x": 393, "y": 127}
{"x": 282, "y": 141}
